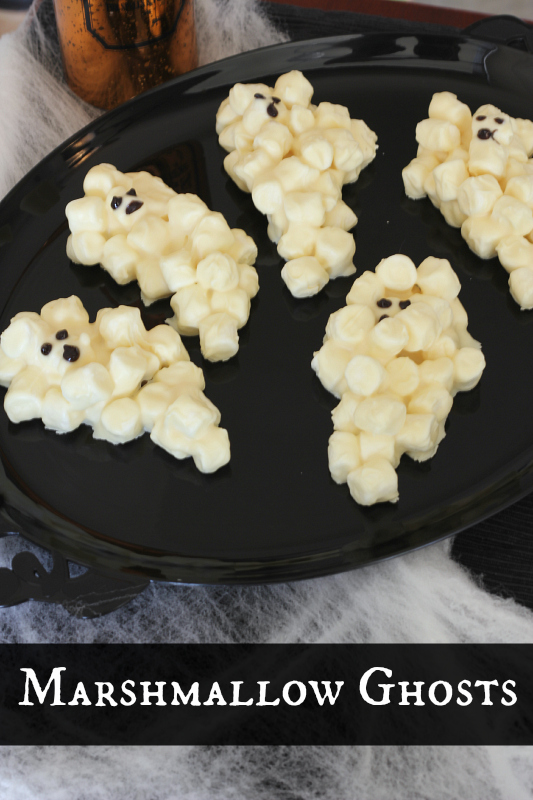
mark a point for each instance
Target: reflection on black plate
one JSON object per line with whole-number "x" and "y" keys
{"x": 273, "y": 513}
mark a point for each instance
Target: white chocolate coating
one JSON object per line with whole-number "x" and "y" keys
{"x": 171, "y": 244}
{"x": 395, "y": 356}
{"x": 478, "y": 171}
{"x": 111, "y": 374}
{"x": 294, "y": 158}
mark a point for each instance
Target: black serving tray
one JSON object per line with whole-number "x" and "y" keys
{"x": 273, "y": 514}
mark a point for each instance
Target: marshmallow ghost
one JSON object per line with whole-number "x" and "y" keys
{"x": 138, "y": 228}
{"x": 395, "y": 356}
{"x": 111, "y": 374}
{"x": 477, "y": 169}
{"x": 294, "y": 157}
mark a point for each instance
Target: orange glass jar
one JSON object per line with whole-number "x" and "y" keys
{"x": 115, "y": 49}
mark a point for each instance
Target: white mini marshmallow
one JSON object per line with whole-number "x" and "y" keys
{"x": 511, "y": 211}
{"x": 330, "y": 364}
{"x": 305, "y": 208}
{"x": 119, "y": 259}
{"x": 403, "y": 376}
{"x": 515, "y": 252}
{"x": 275, "y": 139}
{"x": 452, "y": 213}
{"x": 218, "y": 271}
{"x": 415, "y": 175}
{"x": 446, "y": 106}
{"x": 267, "y": 194}
{"x": 301, "y": 119}
{"x": 422, "y": 325}
{"x": 432, "y": 399}
{"x": 350, "y": 325}
{"x": 304, "y": 276}
{"x": 477, "y": 196}
{"x": 366, "y": 289}
{"x": 87, "y": 214}
{"x": 388, "y": 338}
{"x": 294, "y": 88}
{"x": 418, "y": 434}
{"x": 343, "y": 413}
{"x": 469, "y": 364}
{"x": 521, "y": 286}
{"x": 397, "y": 273}
{"x": 299, "y": 240}
{"x": 483, "y": 234}
{"x": 381, "y": 414}
{"x": 372, "y": 445}
{"x": 436, "y": 277}
{"x": 364, "y": 375}
{"x": 341, "y": 216}
{"x": 375, "y": 481}
{"x": 315, "y": 150}
{"x": 343, "y": 455}
{"x": 448, "y": 178}
{"x": 436, "y": 134}
{"x": 521, "y": 187}
{"x": 335, "y": 250}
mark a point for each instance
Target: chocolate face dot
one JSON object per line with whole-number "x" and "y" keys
{"x": 116, "y": 202}
{"x": 272, "y": 111}
{"x": 276, "y": 100}
{"x": 383, "y": 316}
{"x": 484, "y": 133}
{"x": 46, "y": 349}
{"x": 259, "y": 96}
{"x": 133, "y": 206}
{"x": 499, "y": 120}
{"x": 132, "y": 193}
{"x": 62, "y": 334}
{"x": 481, "y": 118}
{"x": 70, "y": 352}
{"x": 404, "y": 303}
{"x": 384, "y": 303}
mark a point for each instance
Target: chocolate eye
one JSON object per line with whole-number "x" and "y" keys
{"x": 484, "y": 133}
{"x": 62, "y": 334}
{"x": 499, "y": 120}
{"x": 404, "y": 303}
{"x": 116, "y": 202}
{"x": 132, "y": 193}
{"x": 481, "y": 118}
{"x": 384, "y": 303}
{"x": 70, "y": 352}
{"x": 133, "y": 206}
{"x": 46, "y": 349}
{"x": 259, "y": 96}
{"x": 276, "y": 100}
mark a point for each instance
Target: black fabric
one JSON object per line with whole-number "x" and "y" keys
{"x": 309, "y": 23}
{"x": 500, "y": 550}
{"x": 15, "y": 5}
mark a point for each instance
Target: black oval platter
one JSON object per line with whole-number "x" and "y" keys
{"x": 274, "y": 513}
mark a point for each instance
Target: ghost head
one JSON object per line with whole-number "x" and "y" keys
{"x": 489, "y": 123}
